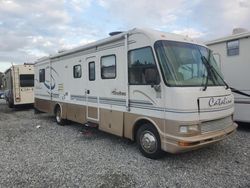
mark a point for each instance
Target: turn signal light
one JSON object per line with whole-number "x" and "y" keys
{"x": 182, "y": 143}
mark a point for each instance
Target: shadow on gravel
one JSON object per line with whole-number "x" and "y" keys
{"x": 44, "y": 116}
{"x": 93, "y": 133}
{"x": 243, "y": 126}
{"x": 198, "y": 156}
{"x": 5, "y": 109}
{"x": 23, "y": 107}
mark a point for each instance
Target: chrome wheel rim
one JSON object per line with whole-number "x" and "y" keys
{"x": 148, "y": 142}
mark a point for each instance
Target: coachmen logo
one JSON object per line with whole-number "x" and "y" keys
{"x": 219, "y": 101}
{"x": 115, "y": 92}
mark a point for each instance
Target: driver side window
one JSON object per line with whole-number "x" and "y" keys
{"x": 142, "y": 68}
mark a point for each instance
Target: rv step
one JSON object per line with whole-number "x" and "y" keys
{"x": 90, "y": 124}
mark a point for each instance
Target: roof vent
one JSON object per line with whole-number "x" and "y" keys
{"x": 28, "y": 64}
{"x": 62, "y": 50}
{"x": 239, "y": 30}
{"x": 115, "y": 33}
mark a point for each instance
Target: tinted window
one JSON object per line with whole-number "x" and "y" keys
{"x": 42, "y": 75}
{"x": 141, "y": 65}
{"x": 92, "y": 71}
{"x": 27, "y": 80}
{"x": 77, "y": 71}
{"x": 108, "y": 67}
{"x": 233, "y": 48}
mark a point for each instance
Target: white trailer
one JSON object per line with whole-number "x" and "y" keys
{"x": 162, "y": 90}
{"x": 234, "y": 56}
{"x": 18, "y": 84}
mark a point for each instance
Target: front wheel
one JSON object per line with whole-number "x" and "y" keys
{"x": 10, "y": 104}
{"x": 148, "y": 141}
{"x": 58, "y": 116}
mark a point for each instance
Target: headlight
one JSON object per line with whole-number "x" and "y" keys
{"x": 189, "y": 128}
{"x": 183, "y": 129}
{"x": 193, "y": 128}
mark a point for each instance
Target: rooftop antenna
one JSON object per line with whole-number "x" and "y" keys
{"x": 115, "y": 33}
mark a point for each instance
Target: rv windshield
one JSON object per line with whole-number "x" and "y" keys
{"x": 182, "y": 64}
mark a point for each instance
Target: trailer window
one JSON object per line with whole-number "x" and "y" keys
{"x": 27, "y": 80}
{"x": 92, "y": 71}
{"x": 42, "y": 75}
{"x": 77, "y": 71}
{"x": 233, "y": 48}
{"x": 108, "y": 67}
{"x": 141, "y": 65}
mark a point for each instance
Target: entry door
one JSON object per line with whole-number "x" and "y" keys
{"x": 91, "y": 90}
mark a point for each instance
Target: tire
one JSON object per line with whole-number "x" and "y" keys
{"x": 10, "y": 104}
{"x": 58, "y": 116}
{"x": 148, "y": 141}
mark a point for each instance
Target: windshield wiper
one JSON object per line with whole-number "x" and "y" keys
{"x": 206, "y": 83}
{"x": 211, "y": 69}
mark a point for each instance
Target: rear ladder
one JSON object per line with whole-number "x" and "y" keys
{"x": 17, "y": 92}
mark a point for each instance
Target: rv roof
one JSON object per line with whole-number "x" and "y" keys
{"x": 229, "y": 38}
{"x": 154, "y": 35}
{"x": 159, "y": 35}
{"x": 18, "y": 65}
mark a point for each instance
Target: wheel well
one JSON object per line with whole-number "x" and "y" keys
{"x": 138, "y": 124}
{"x": 55, "y": 108}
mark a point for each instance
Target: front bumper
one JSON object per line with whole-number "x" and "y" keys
{"x": 176, "y": 144}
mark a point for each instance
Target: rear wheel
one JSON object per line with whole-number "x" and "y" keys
{"x": 148, "y": 141}
{"x": 58, "y": 116}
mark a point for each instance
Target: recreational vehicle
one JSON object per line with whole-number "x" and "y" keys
{"x": 18, "y": 85}
{"x": 234, "y": 60}
{"x": 160, "y": 89}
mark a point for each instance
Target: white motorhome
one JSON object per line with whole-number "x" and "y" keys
{"x": 233, "y": 53}
{"x": 18, "y": 84}
{"x": 157, "y": 88}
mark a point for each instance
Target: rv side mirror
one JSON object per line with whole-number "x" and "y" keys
{"x": 152, "y": 76}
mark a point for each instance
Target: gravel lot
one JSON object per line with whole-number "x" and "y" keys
{"x": 77, "y": 156}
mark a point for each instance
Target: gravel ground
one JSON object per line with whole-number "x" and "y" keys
{"x": 77, "y": 156}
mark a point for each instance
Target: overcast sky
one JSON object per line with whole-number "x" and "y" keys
{"x": 32, "y": 29}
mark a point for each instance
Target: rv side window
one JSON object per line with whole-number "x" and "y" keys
{"x": 142, "y": 67}
{"x": 42, "y": 75}
{"x": 27, "y": 80}
{"x": 92, "y": 71}
{"x": 108, "y": 67}
{"x": 233, "y": 48}
{"x": 77, "y": 71}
